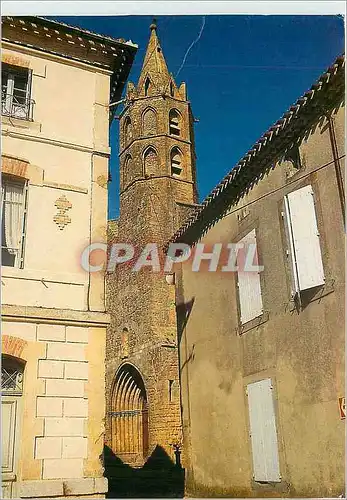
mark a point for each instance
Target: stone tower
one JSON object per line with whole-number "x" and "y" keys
{"x": 157, "y": 193}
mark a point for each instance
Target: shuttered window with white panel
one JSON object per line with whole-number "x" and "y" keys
{"x": 251, "y": 304}
{"x": 263, "y": 431}
{"x": 303, "y": 235}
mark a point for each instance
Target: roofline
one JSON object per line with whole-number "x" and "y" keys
{"x": 75, "y": 44}
{"x": 203, "y": 217}
{"x": 91, "y": 34}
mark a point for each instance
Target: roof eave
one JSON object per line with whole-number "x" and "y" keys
{"x": 266, "y": 151}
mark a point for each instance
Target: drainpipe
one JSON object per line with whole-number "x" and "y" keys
{"x": 337, "y": 164}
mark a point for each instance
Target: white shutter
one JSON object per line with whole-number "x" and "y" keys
{"x": 251, "y": 304}
{"x": 263, "y": 431}
{"x": 305, "y": 246}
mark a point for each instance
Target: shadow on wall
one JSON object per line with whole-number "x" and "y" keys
{"x": 183, "y": 312}
{"x": 158, "y": 478}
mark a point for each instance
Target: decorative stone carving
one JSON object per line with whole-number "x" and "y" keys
{"x": 63, "y": 205}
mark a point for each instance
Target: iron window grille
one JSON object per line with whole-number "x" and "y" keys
{"x": 11, "y": 377}
{"x": 15, "y": 92}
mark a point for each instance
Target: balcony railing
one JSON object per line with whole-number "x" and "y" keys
{"x": 17, "y": 108}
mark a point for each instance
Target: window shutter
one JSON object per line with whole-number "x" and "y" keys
{"x": 251, "y": 304}
{"x": 304, "y": 238}
{"x": 263, "y": 431}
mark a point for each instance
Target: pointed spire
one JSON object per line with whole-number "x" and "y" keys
{"x": 154, "y": 73}
{"x": 153, "y": 26}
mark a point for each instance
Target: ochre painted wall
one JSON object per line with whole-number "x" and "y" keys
{"x": 302, "y": 352}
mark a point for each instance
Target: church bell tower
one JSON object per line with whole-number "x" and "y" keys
{"x": 157, "y": 193}
{"x": 157, "y": 157}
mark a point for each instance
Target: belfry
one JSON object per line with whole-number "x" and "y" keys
{"x": 157, "y": 193}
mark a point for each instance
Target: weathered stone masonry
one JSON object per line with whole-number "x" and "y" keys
{"x": 158, "y": 191}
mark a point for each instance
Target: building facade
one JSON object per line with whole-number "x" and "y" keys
{"x": 57, "y": 82}
{"x": 157, "y": 191}
{"x": 262, "y": 350}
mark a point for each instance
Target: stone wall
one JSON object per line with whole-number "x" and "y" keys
{"x": 153, "y": 204}
{"x": 62, "y": 407}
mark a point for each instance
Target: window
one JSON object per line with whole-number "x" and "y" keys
{"x": 151, "y": 163}
{"x": 171, "y": 383}
{"x": 303, "y": 239}
{"x": 127, "y": 171}
{"x": 172, "y": 89}
{"x": 11, "y": 376}
{"x": 124, "y": 348}
{"x": 176, "y": 162}
{"x": 128, "y": 133}
{"x": 174, "y": 122}
{"x": 248, "y": 280}
{"x": 147, "y": 86}
{"x": 149, "y": 122}
{"x": 13, "y": 195}
{"x": 263, "y": 431}
{"x": 15, "y": 92}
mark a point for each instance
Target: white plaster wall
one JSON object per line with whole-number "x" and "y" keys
{"x": 69, "y": 124}
{"x": 59, "y": 164}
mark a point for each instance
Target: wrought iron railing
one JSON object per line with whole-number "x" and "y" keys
{"x": 13, "y": 107}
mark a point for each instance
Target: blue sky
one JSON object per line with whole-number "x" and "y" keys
{"x": 242, "y": 74}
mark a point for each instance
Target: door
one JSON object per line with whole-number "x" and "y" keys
{"x": 11, "y": 391}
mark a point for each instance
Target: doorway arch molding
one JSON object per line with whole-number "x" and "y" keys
{"x": 129, "y": 415}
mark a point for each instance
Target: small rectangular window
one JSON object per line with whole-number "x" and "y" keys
{"x": 303, "y": 239}
{"x": 263, "y": 431}
{"x": 250, "y": 299}
{"x": 171, "y": 383}
{"x": 13, "y": 194}
{"x": 15, "y": 92}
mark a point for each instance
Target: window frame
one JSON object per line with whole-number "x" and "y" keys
{"x": 179, "y": 167}
{"x": 262, "y": 316}
{"x": 260, "y": 385}
{"x": 147, "y": 86}
{"x": 128, "y": 130}
{"x": 145, "y": 132}
{"x": 8, "y": 179}
{"x": 174, "y": 129}
{"x": 7, "y": 100}
{"x": 149, "y": 149}
{"x": 296, "y": 290}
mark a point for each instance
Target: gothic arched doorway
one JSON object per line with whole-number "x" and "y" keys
{"x": 129, "y": 416}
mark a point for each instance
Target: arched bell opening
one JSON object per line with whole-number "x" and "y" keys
{"x": 129, "y": 416}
